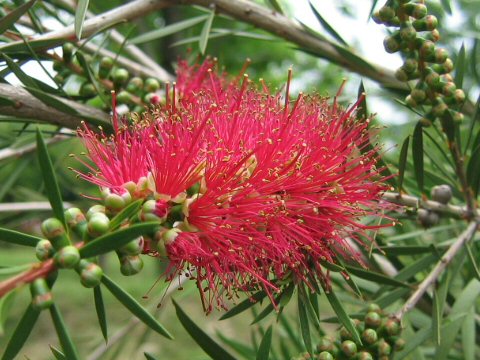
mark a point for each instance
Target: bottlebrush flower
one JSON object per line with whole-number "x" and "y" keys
{"x": 253, "y": 189}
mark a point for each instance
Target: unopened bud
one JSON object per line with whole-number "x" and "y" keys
{"x": 418, "y": 95}
{"x": 428, "y": 23}
{"x": 114, "y": 203}
{"x": 44, "y": 250}
{"x": 391, "y": 45}
{"x": 134, "y": 247}
{"x": 459, "y": 96}
{"x": 449, "y": 89}
{"x": 41, "y": 295}
{"x": 427, "y": 218}
{"x": 373, "y": 320}
{"x": 374, "y": 308}
{"x": 54, "y": 231}
{"x": 408, "y": 32}
{"x": 399, "y": 344}
{"x": 364, "y": 356}
{"x": 369, "y": 336}
{"x": 135, "y": 85}
{"x": 90, "y": 273}
{"x": 441, "y": 193}
{"x": 98, "y": 224}
{"x": 384, "y": 348}
{"x": 386, "y": 13}
{"x": 418, "y": 11}
{"x": 67, "y": 50}
{"x": 325, "y": 344}
{"x": 67, "y": 257}
{"x": 130, "y": 265}
{"x": 325, "y": 355}
{"x": 349, "y": 348}
{"x": 95, "y": 209}
{"x": 392, "y": 327}
{"x": 120, "y": 76}
{"x": 151, "y": 85}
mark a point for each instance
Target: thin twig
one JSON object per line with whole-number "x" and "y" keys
{"x": 438, "y": 269}
{"x": 412, "y": 201}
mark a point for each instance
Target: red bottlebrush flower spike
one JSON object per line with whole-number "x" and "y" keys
{"x": 257, "y": 190}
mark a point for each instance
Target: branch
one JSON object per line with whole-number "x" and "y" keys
{"x": 412, "y": 201}
{"x": 29, "y": 107}
{"x": 438, "y": 269}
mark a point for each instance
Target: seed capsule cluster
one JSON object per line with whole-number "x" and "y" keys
{"x": 441, "y": 194}
{"x": 380, "y": 336}
{"x": 133, "y": 91}
{"x": 425, "y": 62}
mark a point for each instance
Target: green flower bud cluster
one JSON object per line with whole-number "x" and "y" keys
{"x": 380, "y": 335}
{"x": 415, "y": 37}
{"x": 135, "y": 92}
{"x": 440, "y": 193}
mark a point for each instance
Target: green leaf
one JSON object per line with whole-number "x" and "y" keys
{"x": 100, "y": 310}
{"x": 460, "y": 67}
{"x": 246, "y": 351}
{"x": 168, "y": 30}
{"x": 326, "y": 25}
{"x": 375, "y": 277}
{"x": 6, "y": 303}
{"x": 214, "y": 350}
{"x": 90, "y": 76}
{"x": 405, "y": 250}
{"x": 125, "y": 214}
{"x": 468, "y": 336}
{"x": 134, "y": 307}
{"x": 80, "y": 13}
{"x": 292, "y": 335}
{"x": 402, "y": 162}
{"x": 264, "y": 349}
{"x": 52, "y": 101}
{"x": 65, "y": 340}
{"x": 149, "y": 356}
{"x": 117, "y": 239}
{"x": 49, "y": 179}
{"x": 15, "y": 237}
{"x": 473, "y": 260}
{"x": 372, "y": 8}
{"x": 275, "y": 5}
{"x": 307, "y": 304}
{"x": 15, "y": 68}
{"x": 473, "y": 171}
{"x": 343, "y": 316}
{"x": 417, "y": 153}
{"x": 449, "y": 334}
{"x": 331, "y": 266}
{"x": 436, "y": 319}
{"x": 263, "y": 314}
{"x": 57, "y": 353}
{"x": 304, "y": 325}
{"x": 202, "y": 42}
{"x": 40, "y": 44}
{"x": 10, "y": 19}
{"x": 414, "y": 342}
{"x": 244, "y": 305}
{"x": 21, "y": 333}
{"x": 447, "y": 6}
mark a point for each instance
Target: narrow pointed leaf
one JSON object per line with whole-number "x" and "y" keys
{"x": 90, "y": 76}
{"x": 10, "y": 19}
{"x": 168, "y": 30}
{"x": 125, "y": 214}
{"x": 80, "y": 13}
{"x": 52, "y": 101}
{"x": 304, "y": 325}
{"x": 417, "y": 152}
{"x": 402, "y": 162}
{"x": 264, "y": 349}
{"x": 372, "y": 8}
{"x": 50, "y": 180}
{"x": 6, "y": 303}
{"x": 63, "y": 336}
{"x": 264, "y": 313}
{"x": 473, "y": 260}
{"x": 202, "y": 42}
{"x": 21, "y": 333}
{"x": 117, "y": 239}
{"x": 100, "y": 310}
{"x": 212, "y": 348}
{"x": 446, "y": 4}
{"x": 19, "y": 73}
{"x": 343, "y": 316}
{"x": 134, "y": 307}
{"x": 292, "y": 335}
{"x": 246, "y": 351}
{"x": 460, "y": 67}
{"x": 149, "y": 356}
{"x": 326, "y": 25}
{"x": 275, "y": 5}
{"x": 436, "y": 319}
{"x": 244, "y": 305}
{"x": 414, "y": 342}
{"x": 40, "y": 44}
{"x": 57, "y": 353}
{"x": 15, "y": 237}
{"x": 375, "y": 277}
{"x": 468, "y": 336}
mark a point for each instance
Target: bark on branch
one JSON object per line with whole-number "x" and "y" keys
{"x": 25, "y": 105}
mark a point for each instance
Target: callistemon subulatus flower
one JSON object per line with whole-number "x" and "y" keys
{"x": 251, "y": 188}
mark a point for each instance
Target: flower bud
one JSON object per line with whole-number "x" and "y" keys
{"x": 410, "y": 101}
{"x": 457, "y": 116}
{"x": 364, "y": 356}
{"x": 374, "y": 308}
{"x": 427, "y": 49}
{"x": 428, "y": 23}
{"x": 459, "y": 96}
{"x": 439, "y": 108}
{"x": 384, "y": 348}
{"x": 448, "y": 89}
{"x": 440, "y": 56}
{"x": 75, "y": 219}
{"x": 418, "y": 11}
{"x": 386, "y": 13}
{"x": 441, "y": 193}
{"x": 95, "y": 209}
{"x": 134, "y": 247}
{"x": 67, "y": 50}
{"x": 408, "y": 32}
{"x": 151, "y": 85}
{"x": 154, "y": 210}
{"x": 151, "y": 98}
{"x": 90, "y": 273}
{"x": 135, "y": 85}
{"x": 41, "y": 295}
{"x": 369, "y": 336}
{"x": 67, "y": 257}
{"x": 98, "y": 224}
{"x": 120, "y": 76}
{"x": 114, "y": 203}
{"x": 44, "y": 250}
{"x": 124, "y": 97}
{"x": 399, "y": 344}
{"x": 325, "y": 344}
{"x": 391, "y": 45}
{"x": 432, "y": 79}
{"x": 54, "y": 231}
{"x": 392, "y": 327}
{"x": 373, "y": 320}
{"x": 325, "y": 355}
{"x": 87, "y": 89}
{"x": 105, "y": 66}
{"x": 376, "y": 17}
{"x": 345, "y": 334}
{"x": 349, "y": 348}
{"x": 410, "y": 65}
{"x": 401, "y": 75}
{"x": 130, "y": 265}
{"x": 418, "y": 95}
